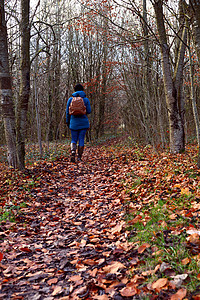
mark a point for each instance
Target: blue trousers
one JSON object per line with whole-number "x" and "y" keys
{"x": 78, "y": 136}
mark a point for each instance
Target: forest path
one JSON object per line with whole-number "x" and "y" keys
{"x": 71, "y": 241}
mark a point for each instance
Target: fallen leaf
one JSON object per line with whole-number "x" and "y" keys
{"x": 178, "y": 279}
{"x": 80, "y": 291}
{"x": 179, "y": 295}
{"x": 57, "y": 290}
{"x": 143, "y": 247}
{"x": 160, "y": 283}
{"x": 89, "y": 262}
{"x": 101, "y": 297}
{"x": 117, "y": 228}
{"x": 25, "y": 249}
{"x": 128, "y": 292}
{"x": 93, "y": 273}
{"x": 186, "y": 261}
{"x": 114, "y": 267}
{"x": 75, "y": 278}
{"x": 52, "y": 281}
{"x": 185, "y": 191}
{"x": 194, "y": 238}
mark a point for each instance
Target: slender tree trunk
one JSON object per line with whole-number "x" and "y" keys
{"x": 22, "y": 106}
{"x": 147, "y": 92}
{"x": 195, "y": 6}
{"x": 36, "y": 98}
{"x": 6, "y": 98}
{"x": 37, "y": 111}
{"x": 176, "y": 128}
{"x": 194, "y": 105}
{"x": 102, "y": 100}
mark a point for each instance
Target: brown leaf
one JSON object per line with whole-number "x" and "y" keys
{"x": 93, "y": 273}
{"x": 114, "y": 267}
{"x": 160, "y": 283}
{"x": 25, "y": 249}
{"x": 194, "y": 238}
{"x": 143, "y": 247}
{"x": 75, "y": 278}
{"x": 52, "y": 281}
{"x": 80, "y": 291}
{"x": 90, "y": 262}
{"x": 102, "y": 297}
{"x": 117, "y": 228}
{"x": 186, "y": 261}
{"x": 179, "y": 295}
{"x": 128, "y": 292}
{"x": 57, "y": 290}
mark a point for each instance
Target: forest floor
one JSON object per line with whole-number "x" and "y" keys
{"x": 122, "y": 224}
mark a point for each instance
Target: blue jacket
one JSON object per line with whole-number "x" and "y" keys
{"x": 78, "y": 122}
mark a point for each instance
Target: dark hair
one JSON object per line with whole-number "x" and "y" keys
{"x": 78, "y": 87}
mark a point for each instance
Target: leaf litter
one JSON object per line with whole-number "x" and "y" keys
{"x": 71, "y": 238}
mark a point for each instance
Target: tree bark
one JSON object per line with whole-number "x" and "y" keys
{"x": 22, "y": 105}
{"x": 176, "y": 128}
{"x": 147, "y": 92}
{"x": 195, "y": 6}
{"x": 7, "y": 105}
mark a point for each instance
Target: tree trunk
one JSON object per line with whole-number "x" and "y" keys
{"x": 6, "y": 98}
{"x": 147, "y": 91}
{"x": 102, "y": 98}
{"x": 22, "y": 105}
{"x": 195, "y": 5}
{"x": 176, "y": 128}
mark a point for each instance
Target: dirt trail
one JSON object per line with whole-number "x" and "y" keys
{"x": 70, "y": 242}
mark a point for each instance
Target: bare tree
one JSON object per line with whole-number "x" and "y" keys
{"x": 172, "y": 83}
{"x": 7, "y": 105}
{"x": 22, "y": 105}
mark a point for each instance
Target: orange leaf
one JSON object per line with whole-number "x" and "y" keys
{"x": 128, "y": 292}
{"x": 52, "y": 281}
{"x": 57, "y": 290}
{"x": 114, "y": 267}
{"x": 101, "y": 297}
{"x": 143, "y": 247}
{"x": 196, "y": 297}
{"x": 186, "y": 261}
{"x": 93, "y": 273}
{"x": 194, "y": 238}
{"x": 90, "y": 262}
{"x": 75, "y": 278}
{"x": 117, "y": 228}
{"x": 179, "y": 295}
{"x": 159, "y": 283}
{"x": 185, "y": 191}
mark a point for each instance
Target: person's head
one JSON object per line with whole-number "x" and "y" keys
{"x": 78, "y": 87}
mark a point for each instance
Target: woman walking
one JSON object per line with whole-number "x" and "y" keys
{"x": 78, "y": 106}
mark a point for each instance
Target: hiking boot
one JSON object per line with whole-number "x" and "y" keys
{"x": 73, "y": 152}
{"x": 80, "y": 152}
